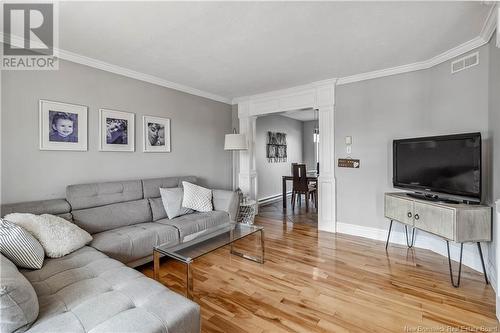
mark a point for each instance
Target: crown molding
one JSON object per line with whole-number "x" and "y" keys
{"x": 284, "y": 92}
{"x": 417, "y": 66}
{"x": 94, "y": 63}
{"x": 91, "y": 62}
{"x": 484, "y": 37}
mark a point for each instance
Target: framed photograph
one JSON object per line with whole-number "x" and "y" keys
{"x": 63, "y": 126}
{"x": 156, "y": 134}
{"x": 116, "y": 130}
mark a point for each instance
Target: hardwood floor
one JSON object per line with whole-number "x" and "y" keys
{"x": 297, "y": 215}
{"x": 321, "y": 282}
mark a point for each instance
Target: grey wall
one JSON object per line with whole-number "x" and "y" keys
{"x": 308, "y": 145}
{"x": 374, "y": 112}
{"x": 269, "y": 174}
{"x": 198, "y": 126}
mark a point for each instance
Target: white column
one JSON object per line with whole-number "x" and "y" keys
{"x": 326, "y": 182}
{"x": 247, "y": 178}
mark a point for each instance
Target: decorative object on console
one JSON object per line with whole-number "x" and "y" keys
{"x": 57, "y": 236}
{"x": 197, "y": 198}
{"x": 116, "y": 130}
{"x": 156, "y": 134}
{"x": 63, "y": 126}
{"x": 172, "y": 202}
{"x": 20, "y": 246}
{"x": 276, "y": 147}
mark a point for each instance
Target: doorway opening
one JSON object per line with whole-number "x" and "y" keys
{"x": 283, "y": 140}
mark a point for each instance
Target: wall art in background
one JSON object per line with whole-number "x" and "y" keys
{"x": 276, "y": 147}
{"x": 116, "y": 130}
{"x": 63, "y": 126}
{"x": 156, "y": 134}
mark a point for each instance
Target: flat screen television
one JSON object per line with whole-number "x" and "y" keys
{"x": 448, "y": 165}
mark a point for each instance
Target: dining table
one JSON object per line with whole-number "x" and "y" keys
{"x": 312, "y": 177}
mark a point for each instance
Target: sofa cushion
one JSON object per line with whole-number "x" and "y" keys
{"x": 197, "y": 222}
{"x": 86, "y": 291}
{"x": 20, "y": 246}
{"x": 227, "y": 201}
{"x": 112, "y": 216}
{"x": 157, "y": 209}
{"x": 53, "y": 206}
{"x": 151, "y": 187}
{"x": 133, "y": 242}
{"x": 18, "y": 300}
{"x": 100, "y": 194}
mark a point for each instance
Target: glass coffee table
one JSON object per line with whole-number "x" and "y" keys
{"x": 186, "y": 252}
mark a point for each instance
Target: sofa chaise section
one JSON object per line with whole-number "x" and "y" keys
{"x": 86, "y": 291}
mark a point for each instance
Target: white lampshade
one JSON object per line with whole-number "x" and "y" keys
{"x": 235, "y": 142}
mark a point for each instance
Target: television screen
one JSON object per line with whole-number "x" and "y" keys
{"x": 448, "y": 164}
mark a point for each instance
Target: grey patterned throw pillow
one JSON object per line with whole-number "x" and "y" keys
{"x": 20, "y": 246}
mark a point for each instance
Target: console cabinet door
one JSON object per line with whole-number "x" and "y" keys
{"x": 435, "y": 219}
{"x": 399, "y": 209}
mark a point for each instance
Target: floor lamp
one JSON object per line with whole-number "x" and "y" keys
{"x": 235, "y": 142}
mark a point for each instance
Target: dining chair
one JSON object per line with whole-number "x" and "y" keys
{"x": 301, "y": 185}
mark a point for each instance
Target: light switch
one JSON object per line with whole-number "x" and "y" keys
{"x": 348, "y": 149}
{"x": 348, "y": 140}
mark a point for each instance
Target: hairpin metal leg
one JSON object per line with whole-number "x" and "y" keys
{"x": 408, "y": 243}
{"x": 456, "y": 285}
{"x": 388, "y": 235}
{"x": 482, "y": 262}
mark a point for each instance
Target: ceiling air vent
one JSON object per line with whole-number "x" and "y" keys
{"x": 465, "y": 62}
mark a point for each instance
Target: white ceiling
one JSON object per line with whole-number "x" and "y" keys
{"x": 234, "y": 49}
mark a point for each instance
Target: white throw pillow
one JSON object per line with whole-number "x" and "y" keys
{"x": 172, "y": 202}
{"x": 57, "y": 235}
{"x": 197, "y": 197}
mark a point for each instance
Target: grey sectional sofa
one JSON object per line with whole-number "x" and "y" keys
{"x": 92, "y": 289}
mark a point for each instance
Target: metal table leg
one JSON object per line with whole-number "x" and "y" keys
{"x": 482, "y": 262}
{"x": 408, "y": 243}
{"x": 457, "y": 284}
{"x": 388, "y": 235}
{"x": 260, "y": 259}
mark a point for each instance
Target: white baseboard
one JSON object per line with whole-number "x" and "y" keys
{"x": 425, "y": 240}
{"x": 273, "y": 198}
